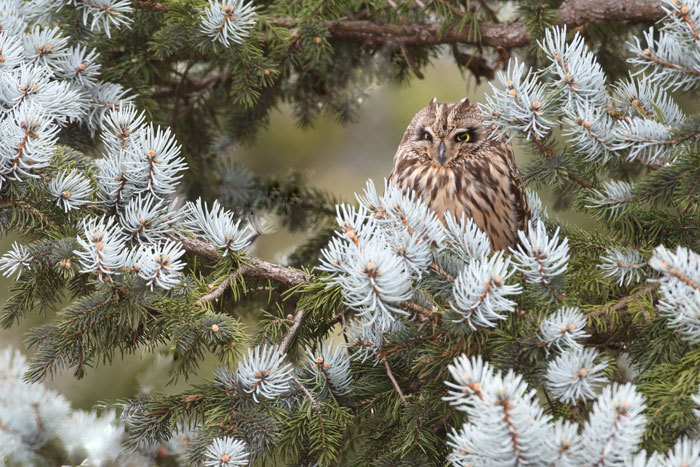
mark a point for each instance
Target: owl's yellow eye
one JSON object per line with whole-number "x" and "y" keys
{"x": 463, "y": 137}
{"x": 427, "y": 136}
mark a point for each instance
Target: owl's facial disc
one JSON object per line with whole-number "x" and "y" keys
{"x": 441, "y": 145}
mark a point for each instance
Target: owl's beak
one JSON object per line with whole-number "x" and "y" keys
{"x": 441, "y": 153}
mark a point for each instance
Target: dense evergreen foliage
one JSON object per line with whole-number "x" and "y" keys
{"x": 390, "y": 338}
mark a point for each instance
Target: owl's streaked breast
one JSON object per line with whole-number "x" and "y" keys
{"x": 486, "y": 192}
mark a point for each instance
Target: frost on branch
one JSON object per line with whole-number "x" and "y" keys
{"x": 644, "y": 99}
{"x": 154, "y": 161}
{"x": 624, "y": 264}
{"x": 375, "y": 280}
{"x": 45, "y": 47}
{"x": 157, "y": 264}
{"x": 217, "y": 226}
{"x": 31, "y": 416}
{"x": 508, "y": 427}
{"x": 264, "y": 373}
{"x": 227, "y": 451}
{"x": 537, "y": 210}
{"x": 590, "y": 129}
{"x": 543, "y": 260}
{"x": 102, "y": 15}
{"x": 147, "y": 220}
{"x": 615, "y": 425}
{"x": 367, "y": 339}
{"x": 228, "y": 21}
{"x": 665, "y": 57}
{"x": 574, "y": 375}
{"x": 611, "y": 199}
{"x": 15, "y": 260}
{"x": 465, "y": 239}
{"x": 70, "y": 190}
{"x": 579, "y": 78}
{"x": 520, "y": 107}
{"x": 28, "y": 143}
{"x": 409, "y": 224}
{"x": 330, "y": 367}
{"x": 79, "y": 66}
{"x": 102, "y": 247}
{"x": 563, "y": 329}
{"x": 680, "y": 289}
{"x": 480, "y": 291}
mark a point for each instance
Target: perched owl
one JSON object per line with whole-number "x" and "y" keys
{"x": 446, "y": 156}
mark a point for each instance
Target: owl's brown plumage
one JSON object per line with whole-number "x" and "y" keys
{"x": 447, "y": 157}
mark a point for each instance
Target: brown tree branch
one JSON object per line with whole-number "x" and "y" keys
{"x": 393, "y": 381}
{"x": 621, "y": 304}
{"x": 219, "y": 291}
{"x": 292, "y": 330}
{"x": 254, "y": 267}
{"x": 572, "y": 13}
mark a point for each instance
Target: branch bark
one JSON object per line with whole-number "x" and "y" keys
{"x": 292, "y": 331}
{"x": 257, "y": 268}
{"x": 572, "y": 13}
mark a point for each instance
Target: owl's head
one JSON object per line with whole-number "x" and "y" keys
{"x": 445, "y": 132}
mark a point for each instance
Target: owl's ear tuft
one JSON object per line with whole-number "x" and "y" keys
{"x": 464, "y": 103}
{"x": 433, "y": 104}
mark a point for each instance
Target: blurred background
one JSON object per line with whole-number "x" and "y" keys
{"x": 334, "y": 157}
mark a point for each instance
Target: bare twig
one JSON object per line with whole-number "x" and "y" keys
{"x": 411, "y": 64}
{"x": 393, "y": 381}
{"x": 317, "y": 407}
{"x": 217, "y": 292}
{"x": 193, "y": 86}
{"x": 292, "y": 330}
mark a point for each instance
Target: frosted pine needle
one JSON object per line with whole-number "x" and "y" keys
{"x": 70, "y": 190}
{"x": 480, "y": 291}
{"x": 15, "y": 260}
{"x": 624, "y": 264}
{"x": 563, "y": 329}
{"x": 680, "y": 289}
{"x": 264, "y": 373}
{"x": 228, "y": 21}
{"x": 226, "y": 452}
{"x": 574, "y": 375}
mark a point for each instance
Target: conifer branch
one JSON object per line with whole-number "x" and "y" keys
{"x": 572, "y": 13}
{"x": 621, "y": 305}
{"x": 257, "y": 268}
{"x": 219, "y": 290}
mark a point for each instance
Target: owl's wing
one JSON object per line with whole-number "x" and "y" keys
{"x": 521, "y": 206}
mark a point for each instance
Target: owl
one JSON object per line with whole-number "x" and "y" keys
{"x": 448, "y": 159}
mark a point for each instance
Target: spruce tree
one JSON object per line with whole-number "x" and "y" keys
{"x": 389, "y": 338}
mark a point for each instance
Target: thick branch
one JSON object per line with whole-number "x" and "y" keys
{"x": 255, "y": 267}
{"x": 573, "y": 13}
